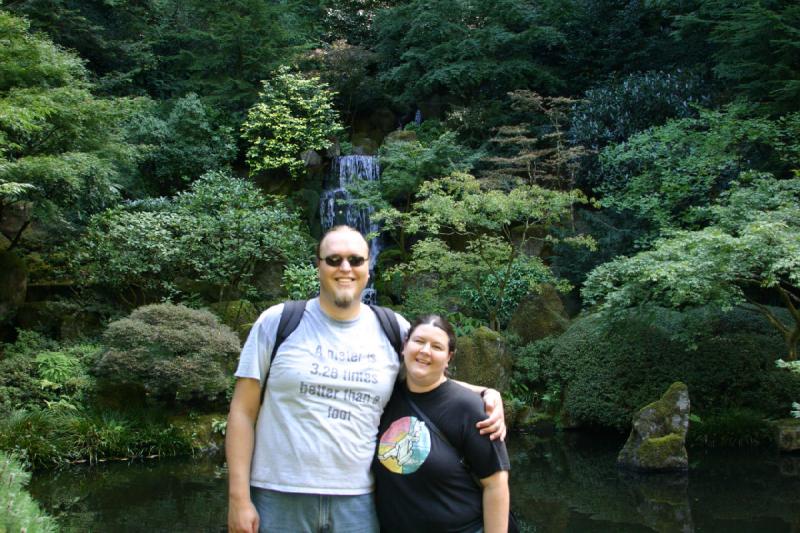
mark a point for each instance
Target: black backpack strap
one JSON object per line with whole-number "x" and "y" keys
{"x": 291, "y": 316}
{"x": 390, "y": 327}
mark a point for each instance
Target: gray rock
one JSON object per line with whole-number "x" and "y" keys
{"x": 311, "y": 158}
{"x": 658, "y": 439}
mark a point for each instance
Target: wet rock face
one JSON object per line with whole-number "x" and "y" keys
{"x": 658, "y": 439}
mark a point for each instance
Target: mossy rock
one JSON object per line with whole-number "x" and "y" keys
{"x": 658, "y": 439}
{"x": 482, "y": 357}
{"x": 539, "y": 316}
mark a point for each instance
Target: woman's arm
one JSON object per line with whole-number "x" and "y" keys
{"x": 495, "y": 502}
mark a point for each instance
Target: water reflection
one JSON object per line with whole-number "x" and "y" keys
{"x": 180, "y": 495}
{"x": 567, "y": 483}
{"x": 570, "y": 483}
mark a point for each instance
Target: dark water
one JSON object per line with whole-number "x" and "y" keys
{"x": 561, "y": 484}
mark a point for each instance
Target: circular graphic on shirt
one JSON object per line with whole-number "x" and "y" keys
{"x": 405, "y": 445}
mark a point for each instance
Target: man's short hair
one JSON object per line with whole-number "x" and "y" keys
{"x": 340, "y": 227}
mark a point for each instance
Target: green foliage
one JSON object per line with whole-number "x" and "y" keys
{"x": 36, "y": 371}
{"x": 181, "y": 144}
{"x": 169, "y": 48}
{"x": 459, "y": 51}
{"x": 532, "y": 146}
{"x": 602, "y": 38}
{"x": 432, "y": 152}
{"x": 732, "y": 428}
{"x": 170, "y": 353}
{"x": 615, "y": 110}
{"x": 57, "y": 436}
{"x": 63, "y": 154}
{"x": 667, "y": 175}
{"x": 219, "y": 231}
{"x": 293, "y": 114}
{"x": 754, "y": 47}
{"x": 349, "y": 70}
{"x": 610, "y": 366}
{"x": 457, "y": 205}
{"x": 301, "y": 281}
{"x": 755, "y": 243}
{"x": 20, "y": 511}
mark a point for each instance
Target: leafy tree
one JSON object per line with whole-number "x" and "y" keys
{"x": 169, "y": 48}
{"x": 180, "y": 146}
{"x": 62, "y": 151}
{"x": 219, "y": 231}
{"x": 602, "y": 38}
{"x": 755, "y": 47}
{"x": 534, "y": 148}
{"x": 752, "y": 245}
{"x": 461, "y": 51}
{"x": 293, "y": 114}
{"x": 497, "y": 227}
{"x": 669, "y": 174}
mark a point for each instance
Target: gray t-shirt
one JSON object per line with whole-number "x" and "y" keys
{"x": 317, "y": 428}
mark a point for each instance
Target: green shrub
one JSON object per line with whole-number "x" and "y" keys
{"x": 46, "y": 437}
{"x": 169, "y": 352}
{"x": 20, "y": 512}
{"x": 609, "y": 367}
{"x": 300, "y": 281}
{"x": 733, "y": 428}
{"x": 36, "y": 371}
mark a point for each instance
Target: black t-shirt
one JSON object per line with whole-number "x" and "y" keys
{"x": 421, "y": 485}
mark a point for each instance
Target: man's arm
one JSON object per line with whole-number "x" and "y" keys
{"x": 495, "y": 502}
{"x": 239, "y": 443}
{"x": 495, "y": 424}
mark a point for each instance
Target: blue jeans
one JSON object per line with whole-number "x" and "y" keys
{"x": 286, "y": 512}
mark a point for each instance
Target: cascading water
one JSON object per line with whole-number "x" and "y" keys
{"x": 335, "y": 206}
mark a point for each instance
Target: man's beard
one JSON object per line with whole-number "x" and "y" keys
{"x": 343, "y": 301}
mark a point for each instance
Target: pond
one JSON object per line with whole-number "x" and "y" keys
{"x": 564, "y": 483}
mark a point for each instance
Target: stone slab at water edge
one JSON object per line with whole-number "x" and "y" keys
{"x": 658, "y": 439}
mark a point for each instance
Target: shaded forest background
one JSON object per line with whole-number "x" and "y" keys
{"x": 611, "y": 185}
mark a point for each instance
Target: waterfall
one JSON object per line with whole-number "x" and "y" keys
{"x": 335, "y": 206}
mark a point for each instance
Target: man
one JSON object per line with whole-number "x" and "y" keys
{"x": 301, "y": 461}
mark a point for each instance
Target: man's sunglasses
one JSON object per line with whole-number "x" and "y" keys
{"x": 336, "y": 260}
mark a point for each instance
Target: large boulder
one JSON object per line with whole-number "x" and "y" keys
{"x": 539, "y": 316}
{"x": 482, "y": 357}
{"x": 658, "y": 439}
{"x": 13, "y": 284}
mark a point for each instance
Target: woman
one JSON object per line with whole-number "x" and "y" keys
{"x": 433, "y": 471}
